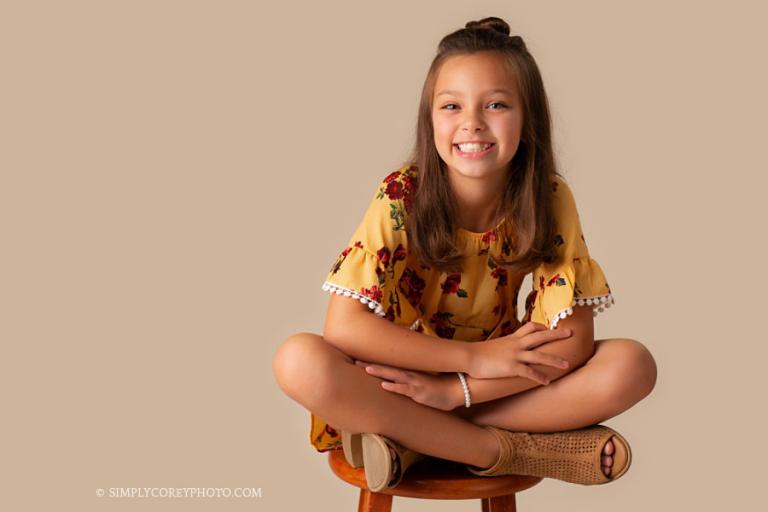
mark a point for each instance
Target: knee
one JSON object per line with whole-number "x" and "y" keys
{"x": 301, "y": 368}
{"x": 632, "y": 374}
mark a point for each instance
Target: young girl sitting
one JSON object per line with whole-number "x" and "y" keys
{"x": 422, "y": 352}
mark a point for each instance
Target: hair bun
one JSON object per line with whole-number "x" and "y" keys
{"x": 492, "y": 23}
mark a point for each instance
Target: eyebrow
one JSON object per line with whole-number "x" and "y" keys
{"x": 457, "y": 93}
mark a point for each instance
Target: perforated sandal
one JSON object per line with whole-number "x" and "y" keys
{"x": 353, "y": 448}
{"x": 379, "y": 467}
{"x": 572, "y": 456}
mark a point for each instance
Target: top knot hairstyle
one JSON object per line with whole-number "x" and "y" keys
{"x": 526, "y": 198}
{"x": 492, "y": 23}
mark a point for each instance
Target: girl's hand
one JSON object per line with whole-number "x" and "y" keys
{"x": 441, "y": 391}
{"x": 509, "y": 356}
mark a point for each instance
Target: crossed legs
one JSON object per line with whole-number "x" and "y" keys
{"x": 326, "y": 381}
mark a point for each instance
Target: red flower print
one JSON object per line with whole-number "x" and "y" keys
{"x": 394, "y": 190}
{"x": 541, "y": 282}
{"x": 489, "y": 236}
{"x": 384, "y": 255}
{"x": 412, "y": 285}
{"x": 359, "y": 244}
{"x": 393, "y": 311}
{"x": 409, "y": 183}
{"x": 441, "y": 320}
{"x": 337, "y": 264}
{"x": 391, "y": 176}
{"x": 408, "y": 202}
{"x": 500, "y": 273}
{"x": 399, "y": 254}
{"x": 451, "y": 284}
{"x": 556, "y": 279}
{"x": 374, "y": 293}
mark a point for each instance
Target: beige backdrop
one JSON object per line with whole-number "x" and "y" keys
{"x": 178, "y": 177}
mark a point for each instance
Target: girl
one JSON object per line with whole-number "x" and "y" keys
{"x": 435, "y": 267}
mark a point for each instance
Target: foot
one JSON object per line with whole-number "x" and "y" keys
{"x": 607, "y": 458}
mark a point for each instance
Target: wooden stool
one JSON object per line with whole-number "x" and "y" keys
{"x": 435, "y": 479}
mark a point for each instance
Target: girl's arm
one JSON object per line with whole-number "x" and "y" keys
{"x": 353, "y": 329}
{"x": 577, "y": 349}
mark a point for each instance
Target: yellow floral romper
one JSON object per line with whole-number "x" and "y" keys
{"x": 475, "y": 305}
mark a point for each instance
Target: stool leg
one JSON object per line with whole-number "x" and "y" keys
{"x": 500, "y": 504}
{"x": 374, "y": 502}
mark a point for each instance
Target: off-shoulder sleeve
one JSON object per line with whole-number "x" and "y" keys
{"x": 369, "y": 267}
{"x": 573, "y": 278}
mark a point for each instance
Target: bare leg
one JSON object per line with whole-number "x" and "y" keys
{"x": 326, "y": 381}
{"x": 620, "y": 373}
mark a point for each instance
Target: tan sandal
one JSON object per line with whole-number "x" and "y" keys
{"x": 353, "y": 448}
{"x": 380, "y": 470}
{"x": 572, "y": 456}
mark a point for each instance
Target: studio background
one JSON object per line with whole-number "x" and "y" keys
{"x": 178, "y": 178}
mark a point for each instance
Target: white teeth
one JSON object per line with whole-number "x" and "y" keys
{"x": 473, "y": 148}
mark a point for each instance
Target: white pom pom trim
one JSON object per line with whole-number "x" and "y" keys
{"x": 598, "y": 303}
{"x": 340, "y": 290}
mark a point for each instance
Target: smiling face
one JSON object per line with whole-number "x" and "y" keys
{"x": 483, "y": 105}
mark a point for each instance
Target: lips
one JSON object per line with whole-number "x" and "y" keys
{"x": 475, "y": 154}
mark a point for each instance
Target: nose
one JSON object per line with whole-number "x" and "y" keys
{"x": 473, "y": 121}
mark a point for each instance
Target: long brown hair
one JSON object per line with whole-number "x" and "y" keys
{"x": 526, "y": 199}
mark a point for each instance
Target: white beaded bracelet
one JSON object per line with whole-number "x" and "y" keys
{"x": 467, "y": 401}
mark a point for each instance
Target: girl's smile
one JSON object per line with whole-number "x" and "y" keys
{"x": 474, "y": 152}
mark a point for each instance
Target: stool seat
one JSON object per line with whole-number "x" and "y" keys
{"x": 436, "y": 479}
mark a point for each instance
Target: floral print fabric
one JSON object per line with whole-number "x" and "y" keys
{"x": 480, "y": 303}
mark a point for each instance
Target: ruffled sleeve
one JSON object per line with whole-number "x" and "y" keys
{"x": 574, "y": 278}
{"x": 369, "y": 267}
